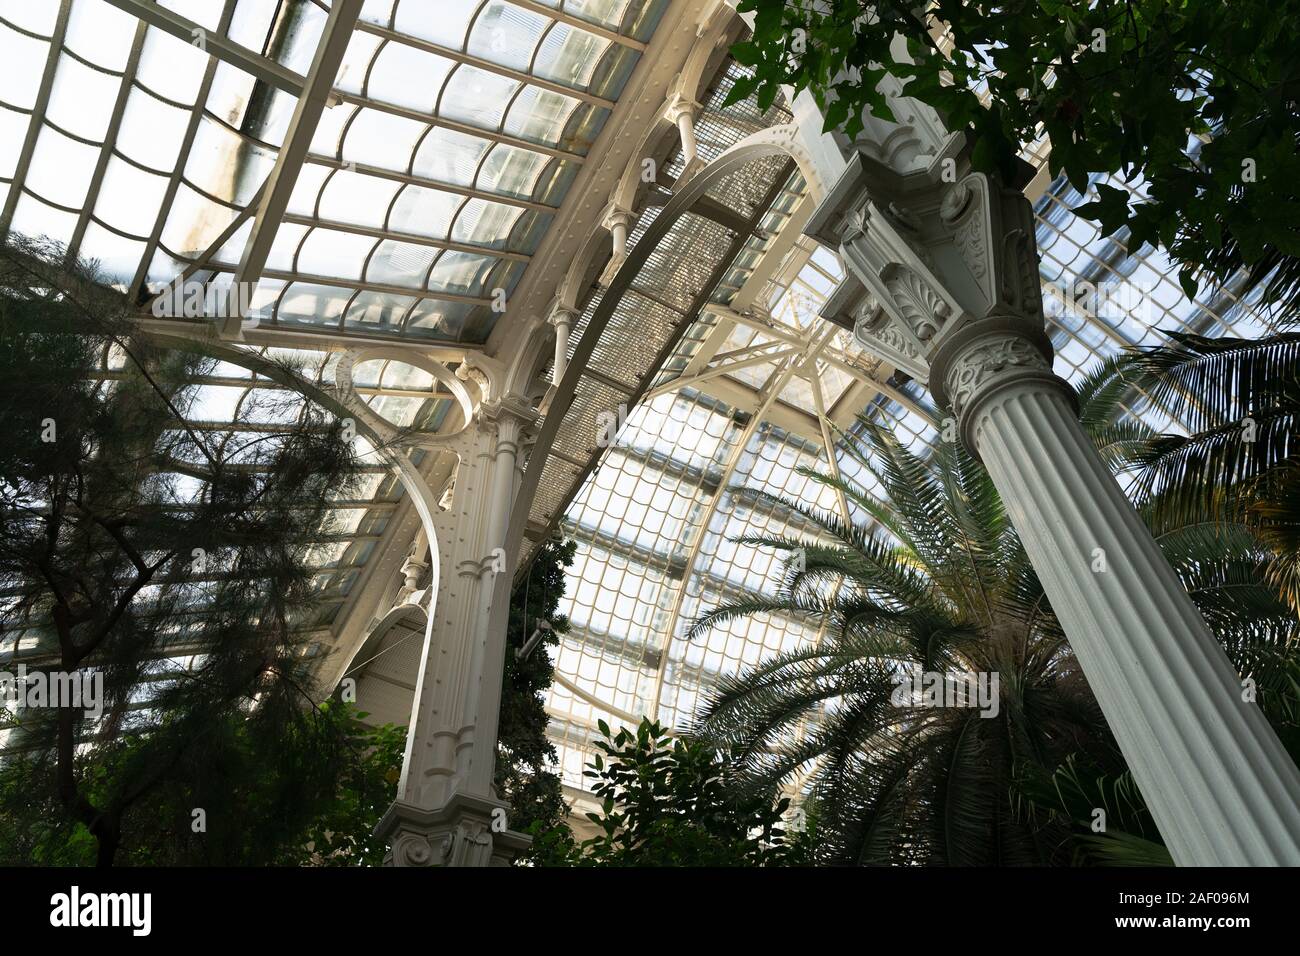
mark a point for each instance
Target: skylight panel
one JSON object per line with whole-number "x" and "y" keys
{"x": 461, "y": 273}
{"x": 288, "y": 238}
{"x": 540, "y": 116}
{"x": 511, "y": 170}
{"x": 24, "y": 58}
{"x": 117, "y": 257}
{"x": 607, "y": 13}
{"x": 334, "y": 253}
{"x": 151, "y": 132}
{"x": 477, "y": 97}
{"x": 356, "y": 198}
{"x": 444, "y": 23}
{"x": 377, "y": 138}
{"x": 400, "y": 263}
{"x": 570, "y": 56}
{"x": 312, "y": 304}
{"x": 449, "y": 156}
{"x": 406, "y": 76}
{"x": 61, "y": 168}
{"x": 422, "y": 211}
{"x": 437, "y": 318}
{"x": 485, "y": 223}
{"x": 172, "y": 68}
{"x": 81, "y": 99}
{"x": 505, "y": 34}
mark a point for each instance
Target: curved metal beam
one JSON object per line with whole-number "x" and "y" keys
{"x": 749, "y": 150}
{"x": 422, "y": 496}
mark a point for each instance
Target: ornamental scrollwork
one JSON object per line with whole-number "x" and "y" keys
{"x": 976, "y": 366}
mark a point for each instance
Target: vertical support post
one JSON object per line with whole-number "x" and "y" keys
{"x": 943, "y": 283}
{"x": 447, "y": 813}
{"x": 682, "y": 112}
{"x": 618, "y": 220}
{"x": 563, "y": 319}
{"x": 1219, "y": 784}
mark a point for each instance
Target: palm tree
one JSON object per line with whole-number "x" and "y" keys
{"x": 1239, "y": 400}
{"x": 939, "y": 582}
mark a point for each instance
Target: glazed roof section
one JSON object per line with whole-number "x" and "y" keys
{"x": 454, "y": 132}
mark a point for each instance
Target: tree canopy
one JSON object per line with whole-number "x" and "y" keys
{"x": 1194, "y": 105}
{"x": 171, "y": 562}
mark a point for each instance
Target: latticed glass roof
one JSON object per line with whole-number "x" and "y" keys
{"x": 454, "y": 133}
{"x": 143, "y": 135}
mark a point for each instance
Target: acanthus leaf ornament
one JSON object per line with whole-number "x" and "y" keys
{"x": 970, "y": 242}
{"x": 976, "y": 366}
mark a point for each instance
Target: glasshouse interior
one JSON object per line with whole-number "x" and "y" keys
{"x": 649, "y": 432}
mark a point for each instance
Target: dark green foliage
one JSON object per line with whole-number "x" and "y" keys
{"x": 303, "y": 793}
{"x": 1118, "y": 86}
{"x": 351, "y": 800}
{"x": 131, "y": 540}
{"x": 1110, "y": 824}
{"x": 1238, "y": 462}
{"x": 672, "y": 802}
{"x": 525, "y": 755}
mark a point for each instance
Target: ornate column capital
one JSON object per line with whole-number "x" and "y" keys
{"x": 983, "y": 357}
{"x": 942, "y": 276}
{"x": 679, "y": 105}
{"x": 616, "y": 216}
{"x": 562, "y": 315}
{"x": 508, "y": 418}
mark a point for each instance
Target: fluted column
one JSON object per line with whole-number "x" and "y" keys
{"x": 942, "y": 282}
{"x": 1219, "y": 784}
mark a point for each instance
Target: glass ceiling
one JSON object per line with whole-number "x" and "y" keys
{"x": 454, "y": 134}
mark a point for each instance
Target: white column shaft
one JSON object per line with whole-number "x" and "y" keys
{"x": 686, "y": 127}
{"x": 1218, "y": 782}
{"x": 561, "y": 352}
{"x": 489, "y": 659}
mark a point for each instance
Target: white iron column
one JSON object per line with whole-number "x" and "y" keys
{"x": 563, "y": 319}
{"x": 944, "y": 284}
{"x": 484, "y": 705}
{"x": 617, "y": 220}
{"x": 1218, "y": 782}
{"x": 446, "y": 813}
{"x": 682, "y": 111}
